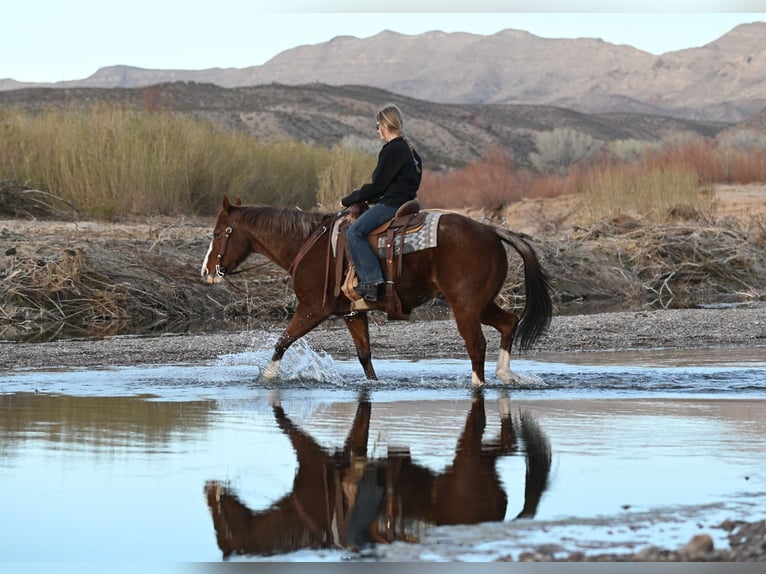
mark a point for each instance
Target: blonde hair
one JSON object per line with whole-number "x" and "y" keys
{"x": 391, "y": 116}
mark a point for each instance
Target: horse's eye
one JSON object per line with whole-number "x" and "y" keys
{"x": 216, "y": 234}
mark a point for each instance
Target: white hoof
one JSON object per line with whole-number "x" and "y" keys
{"x": 503, "y": 369}
{"x": 272, "y": 371}
{"x": 504, "y": 406}
{"x": 509, "y": 378}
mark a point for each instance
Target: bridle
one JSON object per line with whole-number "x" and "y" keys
{"x": 220, "y": 270}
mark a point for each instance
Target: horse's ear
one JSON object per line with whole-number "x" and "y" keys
{"x": 225, "y": 203}
{"x": 238, "y": 201}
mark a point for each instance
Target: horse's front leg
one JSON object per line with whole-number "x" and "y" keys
{"x": 358, "y": 326}
{"x": 304, "y": 320}
{"x": 469, "y": 327}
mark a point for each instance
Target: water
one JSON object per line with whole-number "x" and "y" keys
{"x": 644, "y": 448}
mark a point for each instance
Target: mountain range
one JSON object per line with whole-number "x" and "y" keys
{"x": 724, "y": 80}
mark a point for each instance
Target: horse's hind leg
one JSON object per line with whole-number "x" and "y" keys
{"x": 304, "y": 320}
{"x": 505, "y": 322}
{"x": 358, "y": 326}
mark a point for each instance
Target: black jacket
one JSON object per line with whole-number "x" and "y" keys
{"x": 395, "y": 179}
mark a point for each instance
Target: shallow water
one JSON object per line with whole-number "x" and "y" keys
{"x": 644, "y": 448}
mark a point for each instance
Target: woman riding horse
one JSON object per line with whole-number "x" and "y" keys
{"x": 395, "y": 181}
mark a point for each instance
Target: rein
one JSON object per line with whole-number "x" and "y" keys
{"x": 313, "y": 238}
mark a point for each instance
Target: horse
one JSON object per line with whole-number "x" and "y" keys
{"x": 341, "y": 498}
{"x": 467, "y": 268}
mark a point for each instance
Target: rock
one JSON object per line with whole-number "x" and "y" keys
{"x": 697, "y": 547}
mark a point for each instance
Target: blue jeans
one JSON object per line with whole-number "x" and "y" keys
{"x": 365, "y": 259}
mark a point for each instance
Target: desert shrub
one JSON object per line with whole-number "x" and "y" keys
{"x": 630, "y": 150}
{"x": 489, "y": 182}
{"x": 560, "y": 148}
{"x": 688, "y": 152}
{"x": 744, "y": 140}
{"x": 744, "y": 156}
{"x": 365, "y": 145}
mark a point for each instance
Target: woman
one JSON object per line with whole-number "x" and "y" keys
{"x": 395, "y": 181}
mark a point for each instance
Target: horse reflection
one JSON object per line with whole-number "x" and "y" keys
{"x": 342, "y": 499}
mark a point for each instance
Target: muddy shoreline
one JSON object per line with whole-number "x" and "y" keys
{"x": 730, "y": 327}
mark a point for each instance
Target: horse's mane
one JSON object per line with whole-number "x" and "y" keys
{"x": 282, "y": 220}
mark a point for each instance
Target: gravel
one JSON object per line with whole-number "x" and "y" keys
{"x": 742, "y": 326}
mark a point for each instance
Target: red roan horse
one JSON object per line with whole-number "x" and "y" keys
{"x": 468, "y": 268}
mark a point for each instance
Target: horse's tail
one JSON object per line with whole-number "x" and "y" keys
{"x": 539, "y": 307}
{"x": 538, "y": 458}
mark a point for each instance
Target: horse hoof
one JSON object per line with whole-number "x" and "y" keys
{"x": 275, "y": 399}
{"x": 504, "y": 406}
{"x": 272, "y": 371}
{"x": 509, "y": 378}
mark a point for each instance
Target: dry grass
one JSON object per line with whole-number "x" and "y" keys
{"x": 109, "y": 162}
{"x": 653, "y": 195}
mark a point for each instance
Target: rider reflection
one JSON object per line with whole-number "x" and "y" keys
{"x": 343, "y": 499}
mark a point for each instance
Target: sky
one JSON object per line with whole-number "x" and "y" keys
{"x": 55, "y": 40}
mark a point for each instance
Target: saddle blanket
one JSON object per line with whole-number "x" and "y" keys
{"x": 424, "y": 238}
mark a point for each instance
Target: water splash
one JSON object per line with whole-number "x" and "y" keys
{"x": 300, "y": 363}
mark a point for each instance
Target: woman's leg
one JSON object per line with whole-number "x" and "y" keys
{"x": 365, "y": 259}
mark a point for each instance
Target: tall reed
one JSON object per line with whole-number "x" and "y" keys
{"x": 109, "y": 161}
{"x": 652, "y": 194}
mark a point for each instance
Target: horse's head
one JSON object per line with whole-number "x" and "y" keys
{"x": 227, "y": 248}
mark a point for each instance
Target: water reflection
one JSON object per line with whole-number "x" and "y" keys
{"x": 344, "y": 499}
{"x": 97, "y": 423}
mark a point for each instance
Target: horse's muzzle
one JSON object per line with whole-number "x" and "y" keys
{"x": 211, "y": 278}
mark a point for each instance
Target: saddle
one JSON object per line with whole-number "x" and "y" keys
{"x": 407, "y": 219}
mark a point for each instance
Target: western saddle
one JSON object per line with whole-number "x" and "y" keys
{"x": 408, "y": 219}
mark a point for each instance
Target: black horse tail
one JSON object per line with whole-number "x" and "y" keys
{"x": 538, "y": 459}
{"x": 538, "y": 308}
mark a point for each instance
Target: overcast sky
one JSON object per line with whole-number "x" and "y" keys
{"x": 55, "y": 40}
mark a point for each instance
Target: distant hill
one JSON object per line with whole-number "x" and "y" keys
{"x": 724, "y": 80}
{"x": 446, "y": 134}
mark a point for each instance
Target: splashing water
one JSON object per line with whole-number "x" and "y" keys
{"x": 300, "y": 363}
